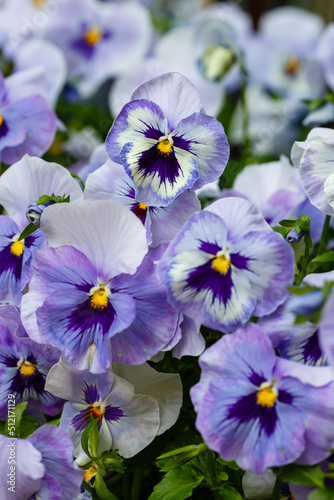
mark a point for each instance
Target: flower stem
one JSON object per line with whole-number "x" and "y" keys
{"x": 324, "y": 235}
{"x": 277, "y": 489}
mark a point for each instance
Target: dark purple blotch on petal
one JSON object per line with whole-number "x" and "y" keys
{"x": 311, "y": 350}
{"x": 181, "y": 143}
{"x": 205, "y": 278}
{"x": 166, "y": 166}
{"x": 139, "y": 211}
{"x": 3, "y": 129}
{"x": 33, "y": 383}
{"x": 113, "y": 413}
{"x": 85, "y": 317}
{"x": 211, "y": 248}
{"x": 91, "y": 393}
{"x": 11, "y": 262}
{"x": 247, "y": 409}
{"x": 239, "y": 261}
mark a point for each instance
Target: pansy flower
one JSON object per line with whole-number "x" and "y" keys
{"x": 24, "y": 366}
{"x": 131, "y": 407}
{"x": 100, "y": 40}
{"x": 226, "y": 264}
{"x": 111, "y": 182}
{"x": 27, "y": 123}
{"x": 21, "y": 186}
{"x": 44, "y": 466}
{"x": 314, "y": 157}
{"x": 85, "y": 296}
{"x": 165, "y": 142}
{"x": 260, "y": 410}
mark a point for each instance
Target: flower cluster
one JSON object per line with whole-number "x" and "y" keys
{"x": 166, "y": 251}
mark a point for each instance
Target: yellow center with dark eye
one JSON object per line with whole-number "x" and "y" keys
{"x": 93, "y": 36}
{"x": 142, "y": 206}
{"x": 165, "y": 147}
{"x": 96, "y": 412}
{"x": 266, "y": 396}
{"x": 221, "y": 264}
{"x": 292, "y": 66}
{"x": 1, "y": 120}
{"x": 27, "y": 369}
{"x": 17, "y": 248}
{"x": 99, "y": 299}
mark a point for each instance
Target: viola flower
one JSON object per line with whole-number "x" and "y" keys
{"x": 15, "y": 259}
{"x": 132, "y": 407}
{"x": 27, "y": 123}
{"x": 280, "y": 56}
{"x": 110, "y": 182}
{"x": 314, "y": 159}
{"x": 164, "y": 148}
{"x": 85, "y": 292}
{"x": 44, "y": 466}
{"x": 24, "y": 366}
{"x": 100, "y": 41}
{"x": 260, "y": 410}
{"x": 227, "y": 264}
{"x": 30, "y": 178}
{"x": 273, "y": 187}
{"x": 298, "y": 342}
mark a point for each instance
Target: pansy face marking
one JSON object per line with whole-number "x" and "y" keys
{"x": 93, "y": 36}
{"x": 27, "y": 380}
{"x": 95, "y": 407}
{"x": 292, "y": 66}
{"x": 99, "y": 296}
{"x": 17, "y": 247}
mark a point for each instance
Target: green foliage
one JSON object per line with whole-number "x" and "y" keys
{"x": 90, "y": 438}
{"x": 28, "y": 230}
{"x": 304, "y": 475}
{"x": 177, "y": 484}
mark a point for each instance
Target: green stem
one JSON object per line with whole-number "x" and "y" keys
{"x": 126, "y": 487}
{"x": 137, "y": 482}
{"x": 324, "y": 235}
{"x": 304, "y": 266}
{"x": 277, "y": 489}
{"x": 245, "y": 115}
{"x": 212, "y": 468}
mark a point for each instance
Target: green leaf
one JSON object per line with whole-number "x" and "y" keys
{"x": 223, "y": 476}
{"x": 320, "y": 259}
{"x": 231, "y": 465}
{"x": 43, "y": 199}
{"x": 28, "y": 426}
{"x": 90, "y": 438}
{"x": 176, "y": 485}
{"x": 101, "y": 489}
{"x": 15, "y": 413}
{"x": 304, "y": 475}
{"x": 28, "y": 230}
{"x": 321, "y": 495}
{"x": 288, "y": 223}
{"x": 229, "y": 493}
{"x": 56, "y": 422}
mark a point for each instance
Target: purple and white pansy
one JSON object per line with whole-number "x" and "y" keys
{"x": 132, "y": 405}
{"x": 24, "y": 365}
{"x": 167, "y": 148}
{"x": 226, "y": 265}
{"x": 111, "y": 182}
{"x": 260, "y": 410}
{"x": 85, "y": 290}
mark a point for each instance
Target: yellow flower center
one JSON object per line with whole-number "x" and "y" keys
{"x": 96, "y": 412}
{"x": 292, "y": 66}
{"x": 38, "y": 3}
{"x": 266, "y": 396}
{"x": 17, "y": 248}
{"x": 221, "y": 264}
{"x": 142, "y": 206}
{"x": 165, "y": 145}
{"x": 27, "y": 368}
{"x": 93, "y": 36}
{"x": 1, "y": 120}
{"x": 99, "y": 299}
{"x": 90, "y": 473}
